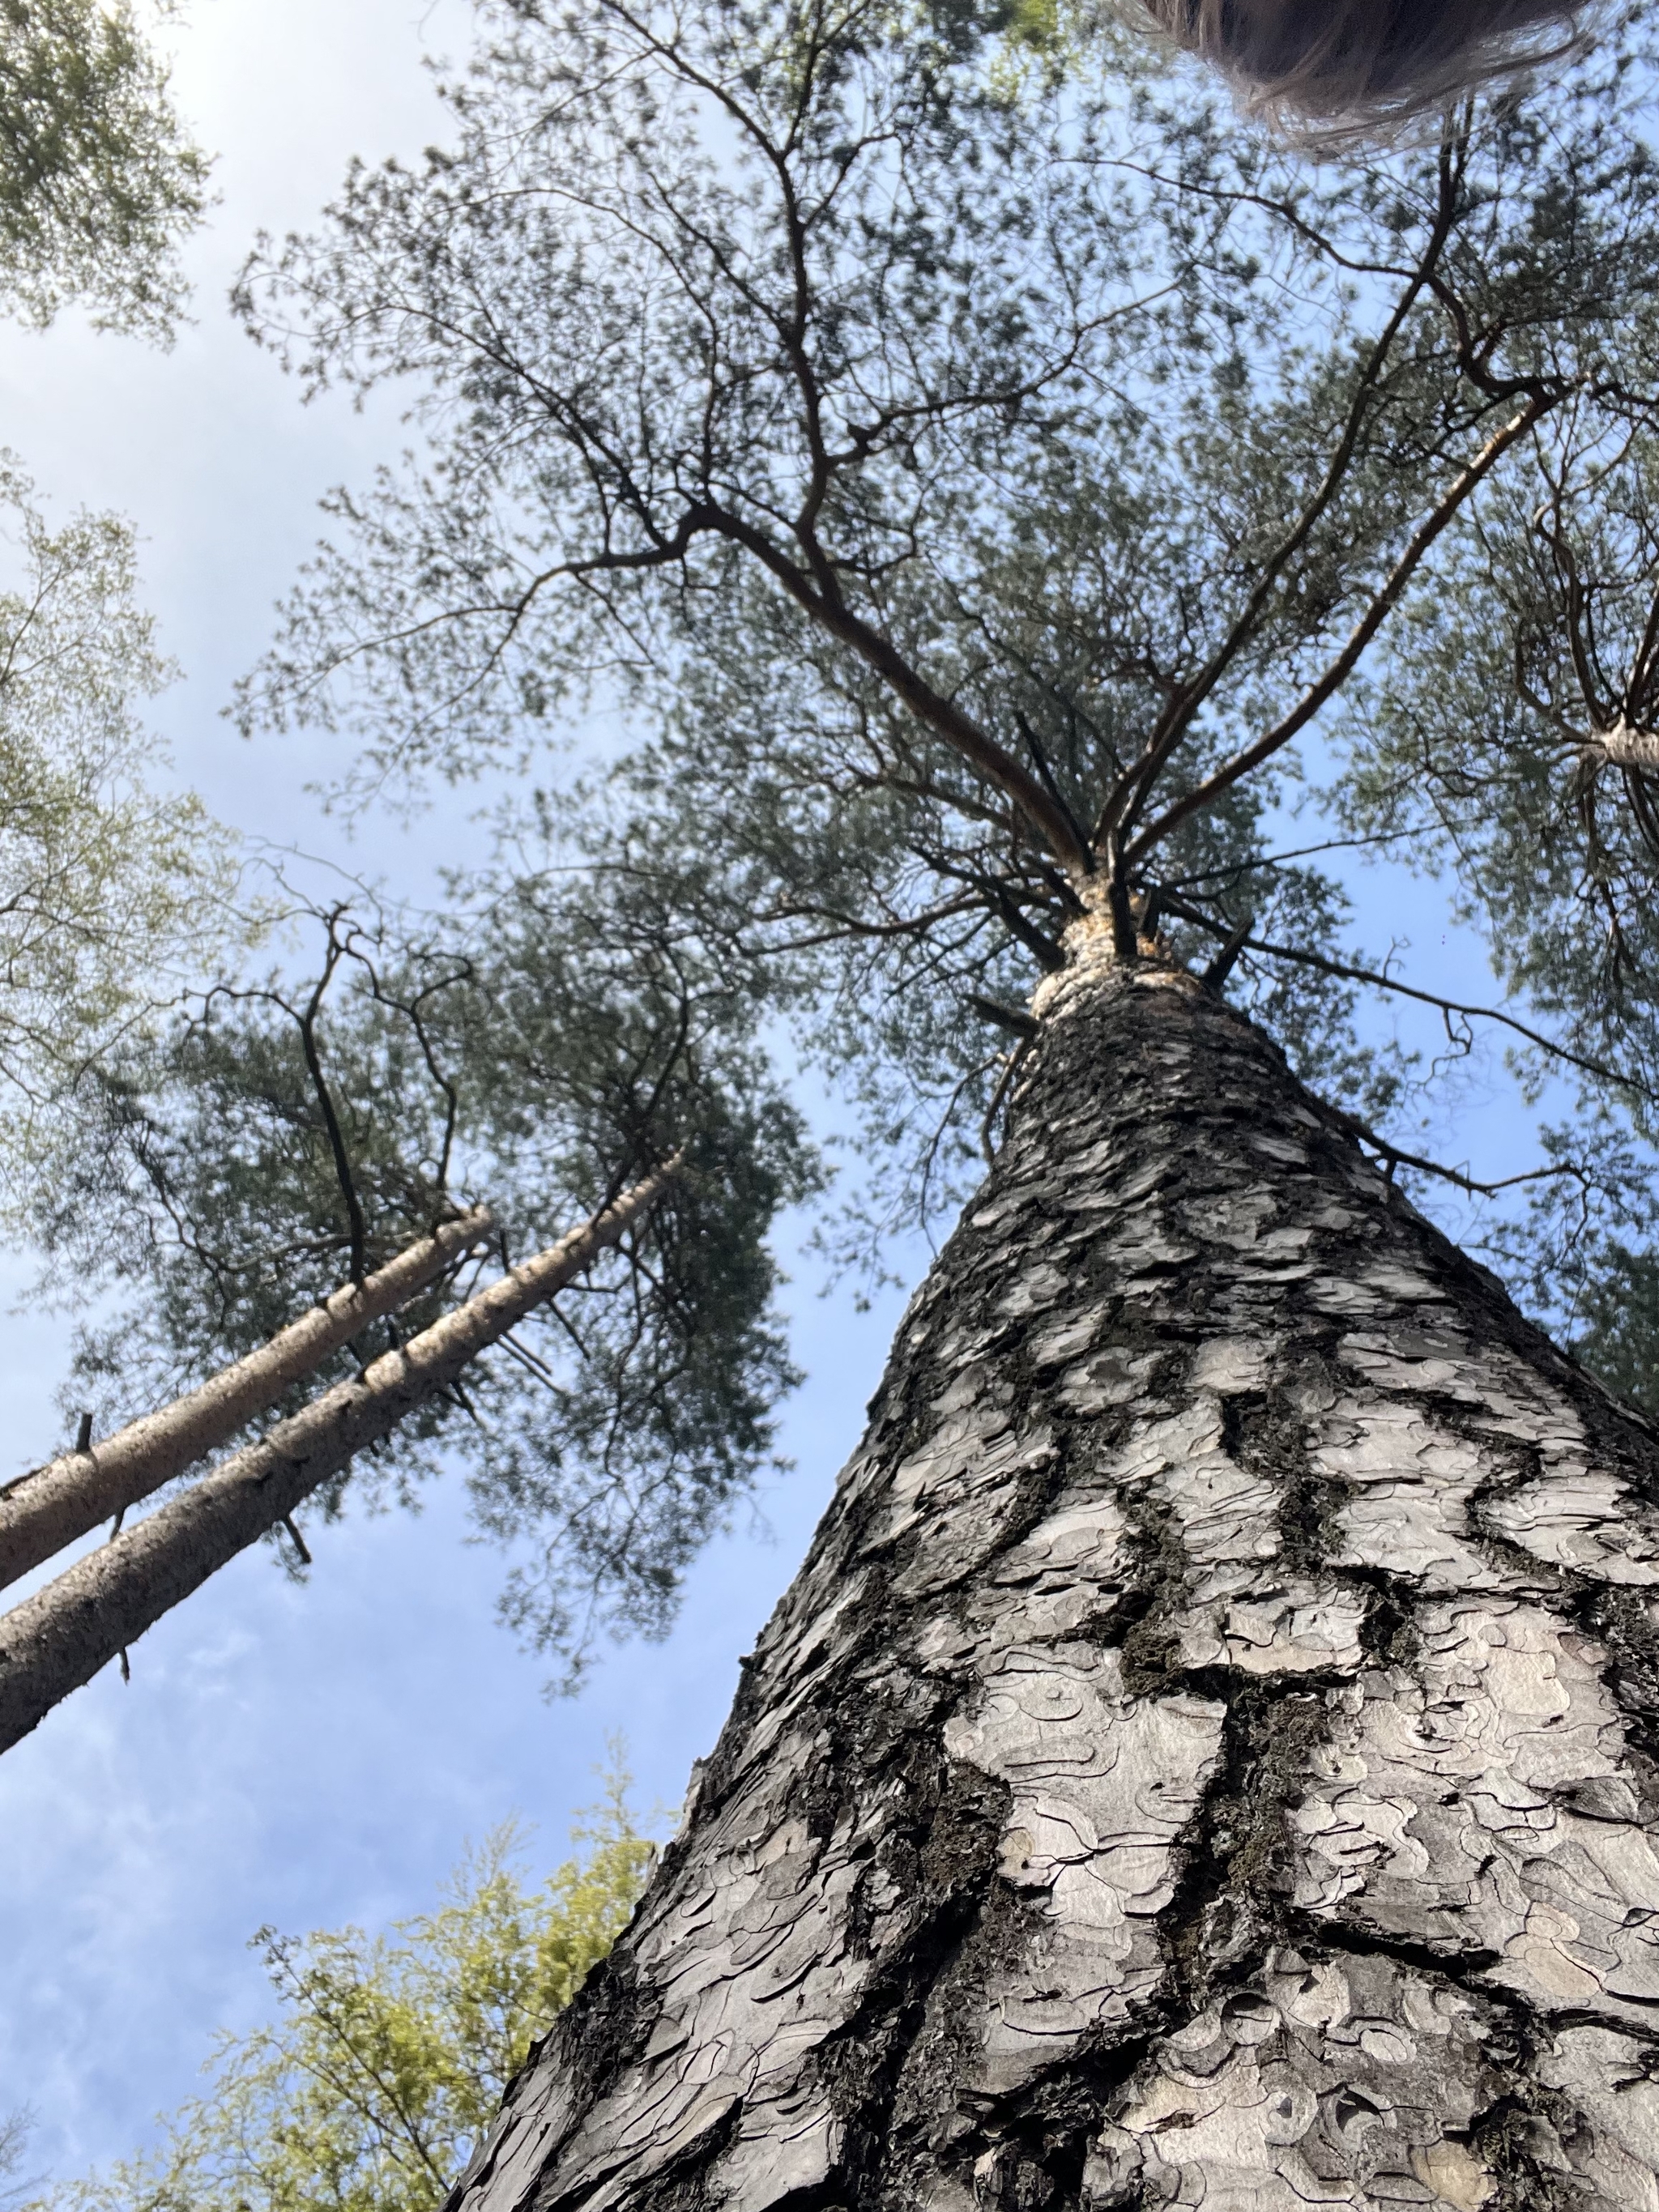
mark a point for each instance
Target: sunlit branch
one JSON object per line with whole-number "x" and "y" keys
{"x": 1338, "y": 672}
{"x": 1132, "y": 789}
{"x": 1457, "y": 1176}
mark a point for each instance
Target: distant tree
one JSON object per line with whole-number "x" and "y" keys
{"x": 110, "y": 885}
{"x": 99, "y": 182}
{"x": 544, "y": 1100}
{"x": 230, "y": 1149}
{"x": 537, "y": 1049}
{"x": 113, "y": 888}
{"x": 392, "y": 2052}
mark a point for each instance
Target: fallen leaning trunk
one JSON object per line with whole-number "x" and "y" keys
{"x": 60, "y": 1637}
{"x": 42, "y": 1511}
{"x": 1207, "y": 1755}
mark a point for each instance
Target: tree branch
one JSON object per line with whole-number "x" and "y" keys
{"x": 936, "y": 713}
{"x": 1337, "y": 672}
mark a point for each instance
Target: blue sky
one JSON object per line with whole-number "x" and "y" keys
{"x": 307, "y": 1756}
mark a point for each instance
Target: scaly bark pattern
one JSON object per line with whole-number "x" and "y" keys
{"x": 1206, "y": 1758}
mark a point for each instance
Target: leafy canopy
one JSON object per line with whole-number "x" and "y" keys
{"x": 99, "y": 184}
{"x": 218, "y": 1144}
{"x": 996, "y": 492}
{"x": 538, "y": 1051}
{"x": 392, "y": 2053}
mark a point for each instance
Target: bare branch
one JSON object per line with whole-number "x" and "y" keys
{"x": 1339, "y": 671}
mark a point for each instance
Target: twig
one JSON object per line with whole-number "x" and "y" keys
{"x": 1349, "y": 973}
{"x": 997, "y": 1096}
{"x": 1395, "y": 1157}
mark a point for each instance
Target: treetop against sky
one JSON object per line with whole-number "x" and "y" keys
{"x": 993, "y": 483}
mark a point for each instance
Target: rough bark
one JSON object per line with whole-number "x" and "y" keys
{"x": 1627, "y": 746}
{"x": 1208, "y": 1754}
{"x": 61, "y": 1636}
{"x": 51, "y": 1506}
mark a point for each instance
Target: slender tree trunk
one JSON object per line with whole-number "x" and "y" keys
{"x": 60, "y": 1637}
{"x": 1206, "y": 1757}
{"x": 50, "y": 1507}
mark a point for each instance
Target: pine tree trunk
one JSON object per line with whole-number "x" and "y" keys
{"x": 1207, "y": 1756}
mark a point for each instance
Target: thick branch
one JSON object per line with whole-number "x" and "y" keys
{"x": 1339, "y": 671}
{"x": 935, "y": 712}
{"x": 1625, "y": 746}
{"x": 1178, "y": 716}
{"x": 336, "y": 1143}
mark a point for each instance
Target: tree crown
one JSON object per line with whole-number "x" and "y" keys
{"x": 997, "y": 493}
{"x": 99, "y": 184}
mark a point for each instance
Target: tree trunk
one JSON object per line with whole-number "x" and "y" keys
{"x": 1207, "y": 1755}
{"x": 60, "y": 1637}
{"x": 49, "y": 1508}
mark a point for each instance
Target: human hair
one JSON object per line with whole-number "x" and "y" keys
{"x": 1328, "y": 70}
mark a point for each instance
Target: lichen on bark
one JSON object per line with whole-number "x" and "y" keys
{"x": 1205, "y": 1757}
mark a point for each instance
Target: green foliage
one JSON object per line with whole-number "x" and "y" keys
{"x": 14, "y": 2130}
{"x": 98, "y": 184}
{"x": 221, "y": 1155}
{"x": 1507, "y": 745}
{"x": 111, "y": 889}
{"x": 221, "y": 1146}
{"x": 393, "y": 2052}
{"x": 993, "y": 488}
